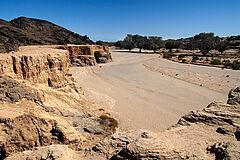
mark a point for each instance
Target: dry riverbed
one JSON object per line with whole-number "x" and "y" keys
{"x": 144, "y": 91}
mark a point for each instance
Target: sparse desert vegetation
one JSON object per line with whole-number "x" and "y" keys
{"x": 201, "y": 49}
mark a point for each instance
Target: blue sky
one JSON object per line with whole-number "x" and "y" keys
{"x": 112, "y": 19}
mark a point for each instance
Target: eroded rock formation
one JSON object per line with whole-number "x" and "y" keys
{"x": 211, "y": 133}
{"x": 88, "y": 55}
{"x": 50, "y": 66}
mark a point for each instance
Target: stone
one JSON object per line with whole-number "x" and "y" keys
{"x": 13, "y": 91}
{"x": 60, "y": 152}
{"x": 49, "y": 67}
{"x": 88, "y": 55}
{"x": 222, "y": 130}
{"x": 234, "y": 96}
{"x": 225, "y": 150}
{"x": 237, "y": 134}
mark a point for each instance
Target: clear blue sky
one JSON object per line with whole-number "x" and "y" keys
{"x": 113, "y": 19}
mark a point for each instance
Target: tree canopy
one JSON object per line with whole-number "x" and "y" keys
{"x": 142, "y": 42}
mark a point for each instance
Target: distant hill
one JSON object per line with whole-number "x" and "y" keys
{"x": 31, "y": 31}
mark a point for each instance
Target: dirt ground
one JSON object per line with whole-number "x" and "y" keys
{"x": 144, "y": 91}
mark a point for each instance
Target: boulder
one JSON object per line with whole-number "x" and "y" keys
{"x": 234, "y": 96}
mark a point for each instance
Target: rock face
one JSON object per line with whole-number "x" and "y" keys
{"x": 88, "y": 55}
{"x": 31, "y": 31}
{"x": 13, "y": 91}
{"x": 50, "y": 67}
{"x": 234, "y": 96}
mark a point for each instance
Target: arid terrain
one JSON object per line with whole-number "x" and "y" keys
{"x": 54, "y": 111}
{"x": 144, "y": 91}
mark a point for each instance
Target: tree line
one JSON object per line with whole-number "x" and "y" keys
{"x": 203, "y": 41}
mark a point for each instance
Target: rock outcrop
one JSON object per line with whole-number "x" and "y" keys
{"x": 13, "y": 91}
{"x": 50, "y": 66}
{"x": 234, "y": 96}
{"x": 88, "y": 55}
{"x": 211, "y": 133}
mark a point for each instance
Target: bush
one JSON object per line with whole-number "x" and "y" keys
{"x": 216, "y": 62}
{"x": 195, "y": 58}
{"x": 236, "y": 65}
{"x": 108, "y": 123}
{"x": 168, "y": 55}
{"x": 227, "y": 63}
{"x": 78, "y": 42}
{"x": 181, "y": 56}
{"x": 184, "y": 61}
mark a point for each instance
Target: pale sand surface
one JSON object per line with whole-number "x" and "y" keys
{"x": 143, "y": 90}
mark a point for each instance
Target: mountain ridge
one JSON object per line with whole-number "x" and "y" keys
{"x": 32, "y": 31}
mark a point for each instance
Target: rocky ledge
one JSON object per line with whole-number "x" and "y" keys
{"x": 211, "y": 133}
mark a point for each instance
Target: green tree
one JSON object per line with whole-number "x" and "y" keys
{"x": 221, "y": 46}
{"x": 204, "y": 42}
{"x": 173, "y": 44}
{"x": 128, "y": 42}
{"x": 154, "y": 43}
{"x": 139, "y": 41}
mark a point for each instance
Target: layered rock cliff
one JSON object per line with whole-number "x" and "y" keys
{"x": 38, "y": 65}
{"x": 88, "y": 55}
{"x": 40, "y": 105}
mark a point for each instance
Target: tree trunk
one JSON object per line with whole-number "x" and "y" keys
{"x": 140, "y": 50}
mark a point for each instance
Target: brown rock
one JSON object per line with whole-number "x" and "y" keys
{"x": 234, "y": 96}
{"x": 57, "y": 152}
{"x": 49, "y": 66}
{"x": 13, "y": 91}
{"x": 226, "y": 150}
{"x": 88, "y": 55}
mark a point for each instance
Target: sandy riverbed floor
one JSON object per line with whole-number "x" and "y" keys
{"x": 144, "y": 91}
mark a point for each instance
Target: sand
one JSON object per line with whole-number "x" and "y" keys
{"x": 144, "y": 91}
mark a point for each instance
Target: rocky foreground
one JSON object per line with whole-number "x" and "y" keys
{"x": 44, "y": 115}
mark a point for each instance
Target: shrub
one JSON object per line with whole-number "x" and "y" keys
{"x": 184, "y": 61}
{"x": 236, "y": 65}
{"x": 227, "y": 63}
{"x": 195, "y": 58}
{"x": 216, "y": 62}
{"x": 167, "y": 55}
{"x": 78, "y": 42}
{"x": 181, "y": 56}
{"x": 108, "y": 123}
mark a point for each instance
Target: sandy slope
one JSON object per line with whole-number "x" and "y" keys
{"x": 145, "y": 91}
